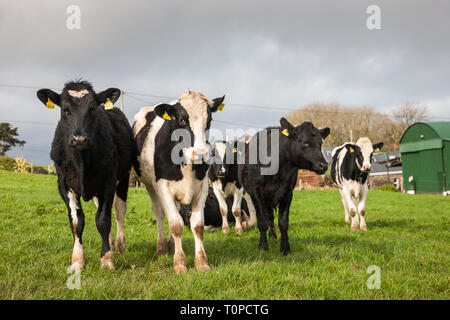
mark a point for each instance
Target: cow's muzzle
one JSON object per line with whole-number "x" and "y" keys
{"x": 79, "y": 142}
{"x": 320, "y": 167}
{"x": 198, "y": 154}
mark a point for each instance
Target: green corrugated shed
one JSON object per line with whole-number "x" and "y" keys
{"x": 425, "y": 149}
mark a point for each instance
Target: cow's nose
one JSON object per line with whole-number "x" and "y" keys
{"x": 79, "y": 141}
{"x": 367, "y": 167}
{"x": 199, "y": 153}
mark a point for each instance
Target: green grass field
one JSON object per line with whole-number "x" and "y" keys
{"x": 407, "y": 237}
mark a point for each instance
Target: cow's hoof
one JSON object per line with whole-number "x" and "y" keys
{"x": 179, "y": 269}
{"x": 354, "y": 227}
{"x": 77, "y": 265}
{"x": 264, "y": 246}
{"x": 238, "y": 231}
{"x": 244, "y": 225}
{"x": 107, "y": 261}
{"x": 225, "y": 229}
{"x": 363, "y": 227}
{"x": 121, "y": 246}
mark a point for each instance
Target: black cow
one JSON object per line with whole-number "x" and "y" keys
{"x": 299, "y": 148}
{"x": 350, "y": 169}
{"x": 213, "y": 215}
{"x": 93, "y": 150}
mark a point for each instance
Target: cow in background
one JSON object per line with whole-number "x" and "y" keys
{"x": 172, "y": 153}
{"x": 350, "y": 169}
{"x": 299, "y": 147}
{"x": 93, "y": 150}
{"x": 213, "y": 216}
{"x": 224, "y": 178}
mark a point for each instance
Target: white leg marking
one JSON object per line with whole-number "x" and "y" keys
{"x": 217, "y": 187}
{"x": 236, "y": 209}
{"x": 251, "y": 208}
{"x": 197, "y": 227}
{"x": 78, "y": 252}
{"x": 120, "y": 207}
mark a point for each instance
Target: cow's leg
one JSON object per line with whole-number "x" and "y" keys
{"x": 352, "y": 209}
{"x": 271, "y": 226}
{"x": 223, "y": 208}
{"x": 197, "y": 227}
{"x": 76, "y": 217}
{"x": 283, "y": 222}
{"x": 252, "y": 212}
{"x": 262, "y": 222}
{"x": 176, "y": 227}
{"x": 236, "y": 209}
{"x": 344, "y": 202}
{"x": 161, "y": 243}
{"x": 120, "y": 206}
{"x": 362, "y": 206}
{"x": 103, "y": 222}
{"x": 76, "y": 221}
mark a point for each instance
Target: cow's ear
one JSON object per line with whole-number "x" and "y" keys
{"x": 112, "y": 94}
{"x": 324, "y": 132}
{"x": 166, "y": 111}
{"x": 217, "y": 104}
{"x": 286, "y": 127}
{"x": 351, "y": 147}
{"x": 49, "y": 97}
{"x": 377, "y": 146}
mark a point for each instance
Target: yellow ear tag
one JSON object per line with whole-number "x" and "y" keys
{"x": 234, "y": 150}
{"x": 50, "y": 104}
{"x": 166, "y": 116}
{"x": 352, "y": 150}
{"x": 377, "y": 150}
{"x": 220, "y": 108}
{"x": 285, "y": 132}
{"x": 108, "y": 104}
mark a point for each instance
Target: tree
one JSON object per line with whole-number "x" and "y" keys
{"x": 8, "y": 138}
{"x": 409, "y": 113}
{"x": 348, "y": 123}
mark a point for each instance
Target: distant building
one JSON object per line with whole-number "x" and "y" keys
{"x": 425, "y": 149}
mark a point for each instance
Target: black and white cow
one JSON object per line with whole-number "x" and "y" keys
{"x": 350, "y": 169}
{"x": 299, "y": 147}
{"x": 175, "y": 173}
{"x": 223, "y": 175}
{"x": 93, "y": 150}
{"x": 213, "y": 215}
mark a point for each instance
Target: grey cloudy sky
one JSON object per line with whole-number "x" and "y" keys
{"x": 282, "y": 54}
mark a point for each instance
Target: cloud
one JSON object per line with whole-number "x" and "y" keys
{"x": 281, "y": 54}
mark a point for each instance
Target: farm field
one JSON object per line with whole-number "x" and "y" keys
{"x": 408, "y": 238}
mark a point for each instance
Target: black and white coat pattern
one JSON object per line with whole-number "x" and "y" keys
{"x": 225, "y": 182}
{"x": 170, "y": 184}
{"x": 93, "y": 150}
{"x": 350, "y": 169}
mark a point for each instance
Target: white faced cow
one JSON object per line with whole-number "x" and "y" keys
{"x": 172, "y": 146}
{"x": 350, "y": 170}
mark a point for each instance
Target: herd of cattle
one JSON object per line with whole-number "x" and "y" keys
{"x": 94, "y": 149}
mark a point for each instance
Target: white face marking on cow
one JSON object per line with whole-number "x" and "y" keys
{"x": 366, "y": 149}
{"x": 196, "y": 106}
{"x": 78, "y": 94}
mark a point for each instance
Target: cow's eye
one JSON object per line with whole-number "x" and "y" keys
{"x": 182, "y": 122}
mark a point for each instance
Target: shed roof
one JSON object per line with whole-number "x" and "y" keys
{"x": 424, "y": 136}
